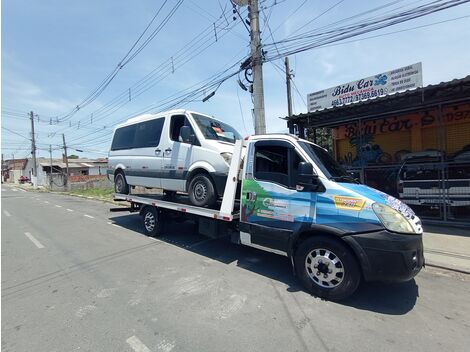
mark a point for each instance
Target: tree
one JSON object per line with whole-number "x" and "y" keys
{"x": 73, "y": 156}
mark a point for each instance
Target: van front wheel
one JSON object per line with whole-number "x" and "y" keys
{"x": 202, "y": 191}
{"x": 327, "y": 268}
{"x": 120, "y": 184}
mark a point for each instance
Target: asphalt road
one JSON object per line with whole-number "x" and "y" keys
{"x": 76, "y": 277}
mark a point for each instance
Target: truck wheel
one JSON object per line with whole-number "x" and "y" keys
{"x": 120, "y": 183}
{"x": 202, "y": 191}
{"x": 327, "y": 268}
{"x": 151, "y": 222}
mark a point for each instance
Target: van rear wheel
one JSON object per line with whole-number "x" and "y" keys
{"x": 120, "y": 183}
{"x": 327, "y": 268}
{"x": 202, "y": 191}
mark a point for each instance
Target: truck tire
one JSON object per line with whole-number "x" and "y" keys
{"x": 151, "y": 221}
{"x": 120, "y": 183}
{"x": 327, "y": 268}
{"x": 202, "y": 191}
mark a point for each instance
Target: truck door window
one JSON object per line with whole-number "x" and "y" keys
{"x": 177, "y": 121}
{"x": 272, "y": 164}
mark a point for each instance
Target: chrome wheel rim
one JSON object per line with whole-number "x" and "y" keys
{"x": 149, "y": 221}
{"x": 200, "y": 191}
{"x": 324, "y": 268}
{"x": 119, "y": 184}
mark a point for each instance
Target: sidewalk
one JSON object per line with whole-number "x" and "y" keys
{"x": 447, "y": 247}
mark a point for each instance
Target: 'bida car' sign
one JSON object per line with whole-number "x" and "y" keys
{"x": 404, "y": 78}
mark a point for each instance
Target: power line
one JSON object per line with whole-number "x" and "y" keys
{"x": 129, "y": 56}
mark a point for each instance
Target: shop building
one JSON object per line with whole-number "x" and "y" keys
{"x": 414, "y": 145}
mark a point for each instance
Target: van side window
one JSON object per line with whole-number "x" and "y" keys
{"x": 148, "y": 133}
{"x": 177, "y": 121}
{"x": 272, "y": 164}
{"x": 124, "y": 138}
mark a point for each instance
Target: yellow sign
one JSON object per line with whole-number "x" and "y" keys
{"x": 348, "y": 203}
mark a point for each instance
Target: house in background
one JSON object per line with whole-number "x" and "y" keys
{"x": 15, "y": 168}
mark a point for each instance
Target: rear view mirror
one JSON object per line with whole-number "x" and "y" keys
{"x": 186, "y": 135}
{"x": 305, "y": 170}
{"x": 307, "y": 179}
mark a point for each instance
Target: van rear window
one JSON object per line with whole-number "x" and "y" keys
{"x": 124, "y": 138}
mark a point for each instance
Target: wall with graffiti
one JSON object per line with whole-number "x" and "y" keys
{"x": 422, "y": 158}
{"x": 386, "y": 141}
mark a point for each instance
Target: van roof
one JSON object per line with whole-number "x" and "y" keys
{"x": 151, "y": 116}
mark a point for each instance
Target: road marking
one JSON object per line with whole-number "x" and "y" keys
{"x": 137, "y": 345}
{"x": 58, "y": 206}
{"x": 6, "y": 213}
{"x": 46, "y": 202}
{"x": 35, "y": 241}
{"x": 89, "y": 216}
{"x": 69, "y": 209}
{"x": 22, "y": 190}
{"x": 14, "y": 190}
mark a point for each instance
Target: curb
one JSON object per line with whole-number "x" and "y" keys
{"x": 460, "y": 271}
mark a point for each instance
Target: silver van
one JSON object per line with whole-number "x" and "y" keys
{"x": 177, "y": 151}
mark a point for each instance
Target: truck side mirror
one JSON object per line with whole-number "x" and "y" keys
{"x": 307, "y": 179}
{"x": 186, "y": 135}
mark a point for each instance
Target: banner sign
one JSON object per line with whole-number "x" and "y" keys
{"x": 401, "y": 79}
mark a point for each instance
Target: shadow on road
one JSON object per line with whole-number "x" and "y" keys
{"x": 392, "y": 299}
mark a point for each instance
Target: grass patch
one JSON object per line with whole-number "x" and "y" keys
{"x": 98, "y": 193}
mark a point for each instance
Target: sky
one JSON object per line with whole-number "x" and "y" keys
{"x": 56, "y": 52}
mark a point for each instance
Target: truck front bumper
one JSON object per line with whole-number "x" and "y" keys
{"x": 387, "y": 256}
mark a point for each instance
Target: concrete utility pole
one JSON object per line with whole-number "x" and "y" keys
{"x": 289, "y": 95}
{"x": 257, "y": 65}
{"x": 66, "y": 160}
{"x": 34, "y": 177}
{"x": 50, "y": 175}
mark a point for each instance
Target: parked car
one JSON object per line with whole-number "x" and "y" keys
{"x": 177, "y": 151}
{"x": 427, "y": 182}
{"x": 23, "y": 179}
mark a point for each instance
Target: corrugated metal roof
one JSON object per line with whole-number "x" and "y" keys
{"x": 422, "y": 93}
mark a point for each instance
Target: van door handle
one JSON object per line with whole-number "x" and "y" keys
{"x": 168, "y": 151}
{"x": 158, "y": 151}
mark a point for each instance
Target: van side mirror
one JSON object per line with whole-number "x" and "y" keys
{"x": 186, "y": 135}
{"x": 307, "y": 180}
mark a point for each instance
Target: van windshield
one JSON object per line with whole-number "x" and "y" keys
{"x": 326, "y": 163}
{"x": 213, "y": 129}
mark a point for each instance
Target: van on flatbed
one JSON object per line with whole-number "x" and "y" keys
{"x": 288, "y": 196}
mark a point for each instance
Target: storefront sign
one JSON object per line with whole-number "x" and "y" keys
{"x": 401, "y": 79}
{"x": 450, "y": 116}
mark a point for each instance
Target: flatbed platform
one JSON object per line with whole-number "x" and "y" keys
{"x": 180, "y": 203}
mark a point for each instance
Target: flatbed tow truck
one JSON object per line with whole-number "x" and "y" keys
{"x": 288, "y": 196}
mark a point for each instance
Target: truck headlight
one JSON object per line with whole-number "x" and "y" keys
{"x": 227, "y": 157}
{"x": 392, "y": 219}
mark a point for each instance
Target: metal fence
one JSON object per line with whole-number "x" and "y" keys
{"x": 422, "y": 158}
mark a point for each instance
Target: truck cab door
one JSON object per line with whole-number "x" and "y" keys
{"x": 272, "y": 208}
{"x": 177, "y": 155}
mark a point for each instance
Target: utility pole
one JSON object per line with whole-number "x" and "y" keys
{"x": 66, "y": 160}
{"x": 257, "y": 66}
{"x": 50, "y": 175}
{"x": 34, "y": 177}
{"x": 289, "y": 95}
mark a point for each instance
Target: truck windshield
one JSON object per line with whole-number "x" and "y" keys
{"x": 213, "y": 129}
{"x": 326, "y": 163}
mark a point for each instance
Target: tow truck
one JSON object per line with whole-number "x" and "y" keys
{"x": 287, "y": 195}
